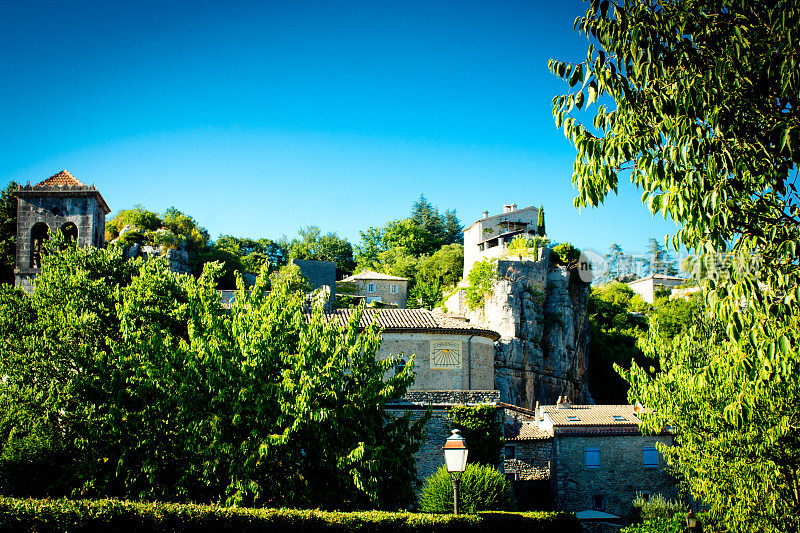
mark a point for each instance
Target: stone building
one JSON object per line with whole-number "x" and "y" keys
{"x": 647, "y": 286}
{"x": 377, "y": 287}
{"x": 453, "y": 364}
{"x": 59, "y": 203}
{"x": 489, "y": 236}
{"x": 601, "y": 460}
{"x": 450, "y": 354}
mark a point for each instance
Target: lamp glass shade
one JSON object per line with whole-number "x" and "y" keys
{"x": 691, "y": 520}
{"x": 455, "y": 452}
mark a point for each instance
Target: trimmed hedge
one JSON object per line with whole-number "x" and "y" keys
{"x": 45, "y": 516}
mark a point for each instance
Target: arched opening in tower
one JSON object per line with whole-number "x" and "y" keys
{"x": 70, "y": 232}
{"x": 39, "y": 234}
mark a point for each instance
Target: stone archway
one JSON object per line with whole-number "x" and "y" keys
{"x": 70, "y": 231}
{"x": 39, "y": 233}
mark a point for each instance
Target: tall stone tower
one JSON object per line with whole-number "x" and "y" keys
{"x": 59, "y": 203}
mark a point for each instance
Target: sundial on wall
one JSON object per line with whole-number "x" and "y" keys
{"x": 445, "y": 355}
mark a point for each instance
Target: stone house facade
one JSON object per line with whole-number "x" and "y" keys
{"x": 489, "y": 236}
{"x": 646, "y": 287}
{"x": 59, "y": 203}
{"x": 377, "y": 287}
{"x": 453, "y": 365}
{"x": 598, "y": 459}
{"x": 450, "y": 354}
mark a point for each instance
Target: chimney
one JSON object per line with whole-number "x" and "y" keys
{"x": 507, "y": 208}
{"x": 563, "y": 403}
{"x": 486, "y": 214}
{"x": 538, "y": 412}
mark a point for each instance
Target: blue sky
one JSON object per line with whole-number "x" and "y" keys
{"x": 259, "y": 118}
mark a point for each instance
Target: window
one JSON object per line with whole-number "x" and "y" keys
{"x": 398, "y": 367}
{"x": 618, "y": 418}
{"x": 511, "y": 452}
{"x": 650, "y": 456}
{"x": 573, "y": 419}
{"x": 592, "y": 457}
{"x": 370, "y": 287}
{"x": 394, "y": 289}
{"x": 598, "y": 502}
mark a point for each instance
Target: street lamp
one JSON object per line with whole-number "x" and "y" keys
{"x": 691, "y": 521}
{"x": 455, "y": 457}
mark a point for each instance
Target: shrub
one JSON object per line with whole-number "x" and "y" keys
{"x": 671, "y": 524}
{"x": 565, "y": 253}
{"x": 483, "y": 488}
{"x": 46, "y": 516}
{"x": 481, "y": 279}
{"x": 657, "y": 506}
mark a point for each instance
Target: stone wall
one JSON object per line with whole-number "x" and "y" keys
{"x": 430, "y": 455}
{"x": 541, "y": 313}
{"x": 320, "y": 275}
{"x": 619, "y": 477}
{"x": 531, "y": 459}
{"x": 473, "y": 371}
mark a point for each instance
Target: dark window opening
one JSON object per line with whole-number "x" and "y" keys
{"x": 70, "y": 232}
{"x": 510, "y": 452}
{"x": 598, "y": 502}
{"x": 39, "y": 234}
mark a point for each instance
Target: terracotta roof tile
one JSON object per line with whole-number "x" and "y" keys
{"x": 412, "y": 320}
{"x": 368, "y": 274}
{"x": 524, "y": 430}
{"x": 592, "y": 415}
{"x": 63, "y": 178}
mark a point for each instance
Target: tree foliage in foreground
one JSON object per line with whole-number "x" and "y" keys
{"x": 706, "y": 122}
{"x": 126, "y": 380}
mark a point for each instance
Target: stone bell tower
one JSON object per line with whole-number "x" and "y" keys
{"x": 59, "y": 203}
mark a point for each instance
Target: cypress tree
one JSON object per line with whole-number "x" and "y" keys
{"x": 540, "y": 223}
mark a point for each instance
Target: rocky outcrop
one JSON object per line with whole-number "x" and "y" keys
{"x": 177, "y": 258}
{"x": 540, "y": 311}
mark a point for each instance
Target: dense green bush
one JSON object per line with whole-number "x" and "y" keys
{"x": 483, "y": 488}
{"x": 565, "y": 253}
{"x": 657, "y": 506}
{"x": 51, "y": 516}
{"x": 481, "y": 280}
{"x": 663, "y": 524}
{"x": 481, "y": 429}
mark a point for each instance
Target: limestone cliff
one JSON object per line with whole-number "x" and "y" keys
{"x": 540, "y": 311}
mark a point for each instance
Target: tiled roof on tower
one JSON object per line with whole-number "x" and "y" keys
{"x": 63, "y": 178}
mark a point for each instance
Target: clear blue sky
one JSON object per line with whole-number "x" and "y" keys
{"x": 258, "y": 118}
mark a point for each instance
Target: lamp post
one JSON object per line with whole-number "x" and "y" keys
{"x": 691, "y": 521}
{"x": 455, "y": 457}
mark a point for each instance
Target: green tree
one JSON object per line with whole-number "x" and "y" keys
{"x": 660, "y": 261}
{"x": 706, "y": 121}
{"x": 366, "y": 253}
{"x": 541, "y": 231}
{"x": 614, "y": 333}
{"x": 482, "y": 428}
{"x": 427, "y": 218}
{"x": 178, "y": 399}
{"x": 453, "y": 230}
{"x": 8, "y": 233}
{"x": 313, "y": 245}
